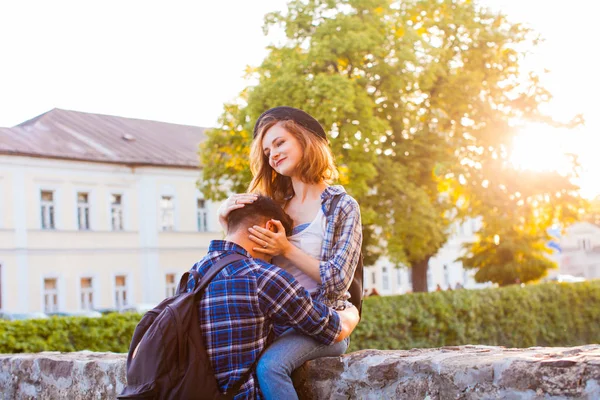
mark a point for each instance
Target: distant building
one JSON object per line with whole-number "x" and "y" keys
{"x": 443, "y": 270}
{"x": 579, "y": 251}
{"x": 98, "y": 211}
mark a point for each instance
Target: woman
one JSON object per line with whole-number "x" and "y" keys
{"x": 292, "y": 162}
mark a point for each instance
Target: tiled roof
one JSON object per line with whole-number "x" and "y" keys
{"x": 83, "y": 136}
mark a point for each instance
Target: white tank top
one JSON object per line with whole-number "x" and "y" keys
{"x": 309, "y": 240}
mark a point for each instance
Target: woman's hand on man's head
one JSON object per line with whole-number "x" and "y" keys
{"x": 270, "y": 240}
{"x": 233, "y": 202}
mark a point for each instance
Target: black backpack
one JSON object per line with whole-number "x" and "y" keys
{"x": 167, "y": 357}
{"x": 356, "y": 287}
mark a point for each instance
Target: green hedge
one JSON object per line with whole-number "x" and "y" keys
{"x": 535, "y": 315}
{"x": 108, "y": 333}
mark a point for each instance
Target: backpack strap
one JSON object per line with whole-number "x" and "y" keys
{"x": 334, "y": 203}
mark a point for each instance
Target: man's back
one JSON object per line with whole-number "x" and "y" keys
{"x": 239, "y": 308}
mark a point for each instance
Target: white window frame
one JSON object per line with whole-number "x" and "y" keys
{"x": 112, "y": 208}
{"x": 45, "y": 293}
{"x": 201, "y": 213}
{"x": 127, "y": 290}
{"x": 584, "y": 243}
{"x": 385, "y": 279}
{"x": 82, "y": 208}
{"x": 91, "y": 290}
{"x": 171, "y": 288}
{"x": 44, "y": 209}
{"x": 446, "y": 268}
{"x": 163, "y": 226}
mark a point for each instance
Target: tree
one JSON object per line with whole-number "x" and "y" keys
{"x": 593, "y": 213}
{"x": 519, "y": 207}
{"x": 407, "y": 91}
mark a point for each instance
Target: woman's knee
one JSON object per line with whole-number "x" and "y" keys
{"x": 269, "y": 366}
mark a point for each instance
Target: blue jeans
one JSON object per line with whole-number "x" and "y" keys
{"x": 288, "y": 352}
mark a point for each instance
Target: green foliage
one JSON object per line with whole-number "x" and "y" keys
{"x": 535, "y": 315}
{"x": 414, "y": 95}
{"x": 112, "y": 332}
{"x": 515, "y": 316}
{"x": 518, "y": 208}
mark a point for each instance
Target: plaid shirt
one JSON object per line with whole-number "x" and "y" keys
{"x": 341, "y": 247}
{"x": 240, "y": 306}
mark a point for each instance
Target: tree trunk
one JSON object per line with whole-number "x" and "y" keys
{"x": 418, "y": 271}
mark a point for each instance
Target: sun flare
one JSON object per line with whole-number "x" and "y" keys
{"x": 541, "y": 148}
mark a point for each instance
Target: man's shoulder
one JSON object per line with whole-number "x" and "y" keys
{"x": 243, "y": 267}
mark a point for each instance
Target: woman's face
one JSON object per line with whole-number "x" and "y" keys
{"x": 283, "y": 150}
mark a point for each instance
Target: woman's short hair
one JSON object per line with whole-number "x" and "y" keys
{"x": 317, "y": 163}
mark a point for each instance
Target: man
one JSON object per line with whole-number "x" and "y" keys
{"x": 247, "y": 297}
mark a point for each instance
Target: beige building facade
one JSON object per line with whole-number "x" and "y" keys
{"x": 579, "y": 254}
{"x": 78, "y": 231}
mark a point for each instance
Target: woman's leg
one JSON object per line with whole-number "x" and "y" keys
{"x": 288, "y": 352}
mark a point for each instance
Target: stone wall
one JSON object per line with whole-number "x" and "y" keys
{"x": 465, "y": 372}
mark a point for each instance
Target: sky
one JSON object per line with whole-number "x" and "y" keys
{"x": 180, "y": 63}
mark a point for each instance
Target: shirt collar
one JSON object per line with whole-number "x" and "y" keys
{"x": 224, "y": 245}
{"x": 331, "y": 191}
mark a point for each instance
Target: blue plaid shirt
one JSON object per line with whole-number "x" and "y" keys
{"x": 240, "y": 306}
{"x": 341, "y": 247}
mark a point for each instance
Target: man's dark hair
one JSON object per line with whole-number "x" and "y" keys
{"x": 255, "y": 213}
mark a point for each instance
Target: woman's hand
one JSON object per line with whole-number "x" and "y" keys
{"x": 270, "y": 241}
{"x": 234, "y": 202}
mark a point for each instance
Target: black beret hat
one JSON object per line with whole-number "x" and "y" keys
{"x": 285, "y": 113}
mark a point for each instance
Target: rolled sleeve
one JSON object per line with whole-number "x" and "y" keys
{"x": 338, "y": 269}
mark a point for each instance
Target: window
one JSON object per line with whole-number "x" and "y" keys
{"x": 446, "y": 276}
{"x": 50, "y": 295}
{"x": 167, "y": 213}
{"x": 202, "y": 215}
{"x": 116, "y": 212}
{"x": 373, "y": 278}
{"x": 410, "y": 278}
{"x": 585, "y": 244}
{"x": 171, "y": 286}
{"x": 398, "y": 277}
{"x": 120, "y": 291}
{"x": 83, "y": 211}
{"x": 87, "y": 294}
{"x": 47, "y": 208}
{"x": 385, "y": 282}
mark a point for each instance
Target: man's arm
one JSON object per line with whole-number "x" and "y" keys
{"x": 285, "y": 302}
{"x": 348, "y": 320}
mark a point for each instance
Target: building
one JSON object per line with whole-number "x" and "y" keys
{"x": 98, "y": 211}
{"x": 579, "y": 251}
{"x": 443, "y": 270}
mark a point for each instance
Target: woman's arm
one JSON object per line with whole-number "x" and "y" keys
{"x": 344, "y": 237}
